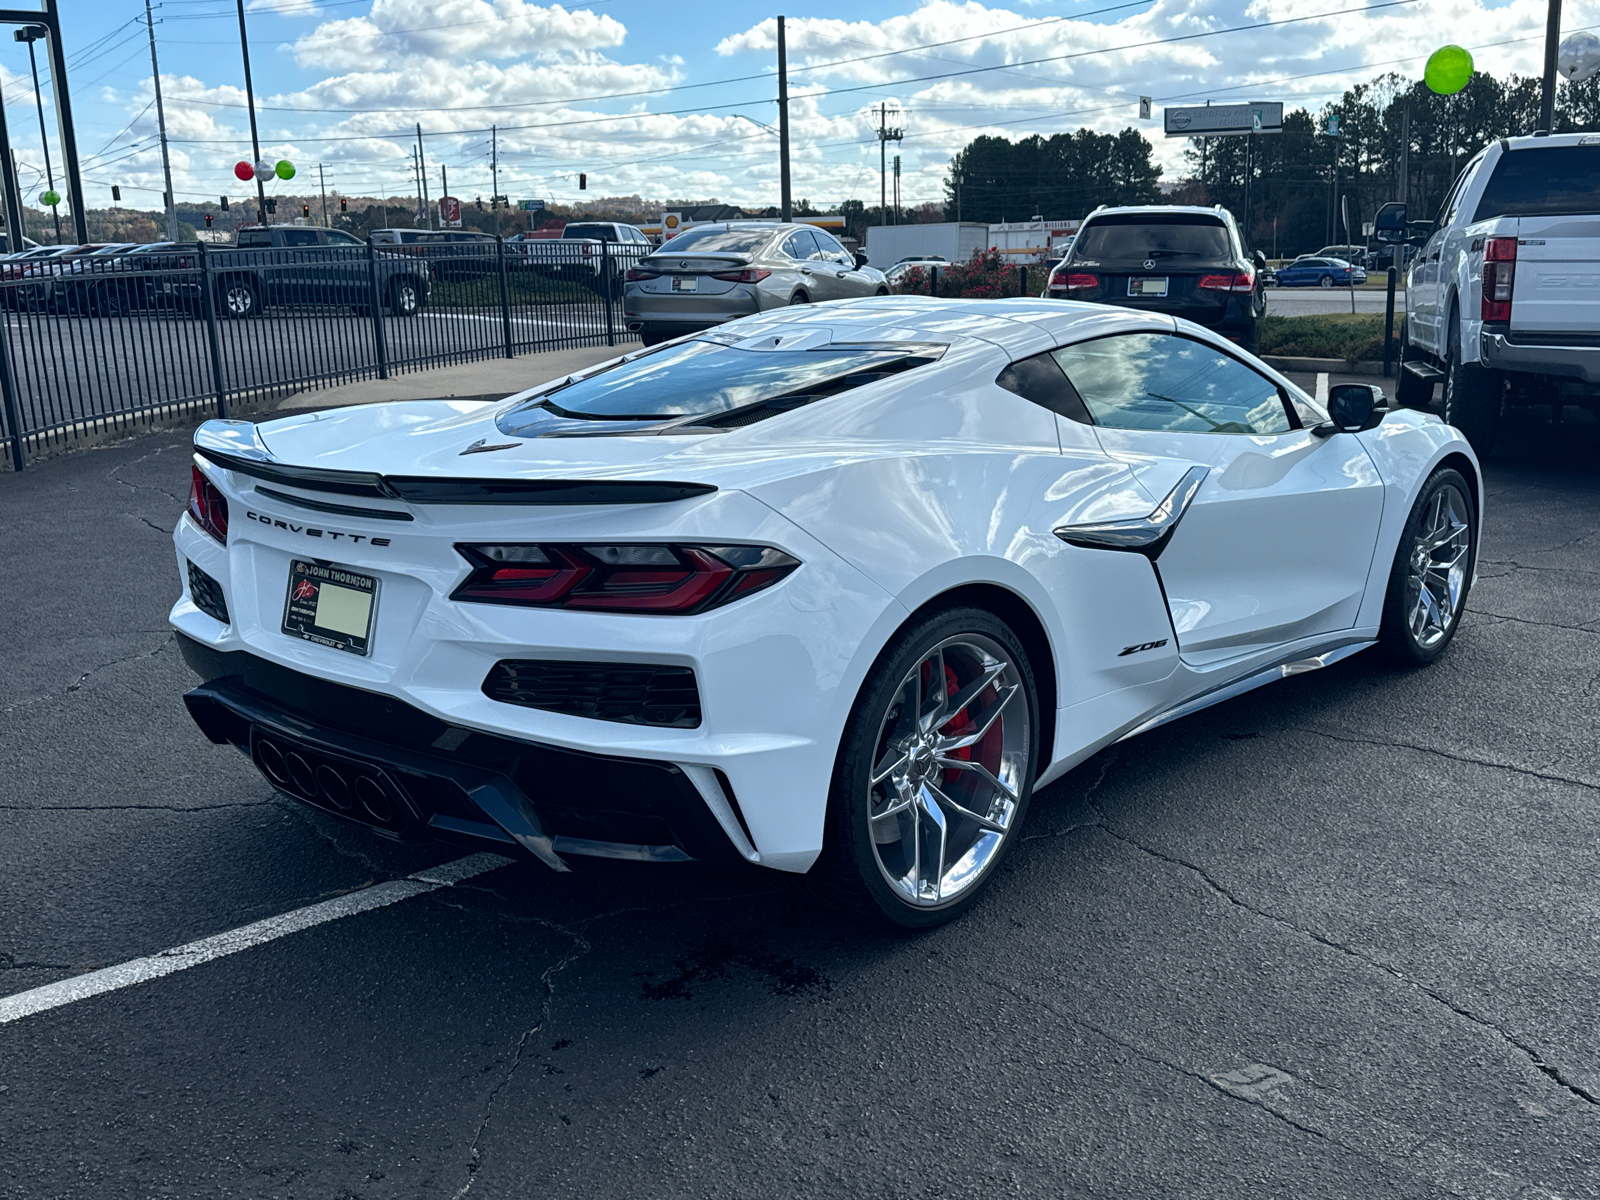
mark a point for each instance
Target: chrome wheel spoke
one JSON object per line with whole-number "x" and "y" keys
{"x": 894, "y": 808}
{"x": 973, "y": 737}
{"x": 958, "y": 703}
{"x": 1440, "y": 556}
{"x": 932, "y": 839}
{"x": 982, "y": 772}
{"x": 960, "y": 810}
{"x": 933, "y": 697}
{"x": 892, "y": 762}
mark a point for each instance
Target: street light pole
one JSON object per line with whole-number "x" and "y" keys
{"x": 1547, "y": 94}
{"x": 29, "y": 34}
{"x": 161, "y": 124}
{"x": 250, "y": 101}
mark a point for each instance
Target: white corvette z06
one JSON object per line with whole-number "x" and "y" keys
{"x": 830, "y": 589}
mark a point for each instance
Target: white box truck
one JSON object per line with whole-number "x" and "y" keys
{"x": 953, "y": 241}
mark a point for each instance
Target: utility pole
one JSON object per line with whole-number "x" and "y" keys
{"x": 1405, "y": 154}
{"x": 444, "y": 190}
{"x": 13, "y": 201}
{"x": 896, "y": 220}
{"x": 323, "y": 183}
{"x": 959, "y": 180}
{"x": 422, "y": 174}
{"x": 885, "y": 136}
{"x": 494, "y": 170}
{"x": 30, "y": 34}
{"x": 786, "y": 207}
{"x": 250, "y": 101}
{"x": 1547, "y": 95}
{"x": 161, "y": 124}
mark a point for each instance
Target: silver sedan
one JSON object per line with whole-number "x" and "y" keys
{"x": 713, "y": 273}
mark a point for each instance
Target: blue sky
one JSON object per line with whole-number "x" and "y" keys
{"x": 338, "y": 81}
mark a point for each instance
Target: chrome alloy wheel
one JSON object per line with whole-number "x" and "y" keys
{"x": 1436, "y": 579}
{"x": 951, "y": 761}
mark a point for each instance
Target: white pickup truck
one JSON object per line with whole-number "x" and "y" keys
{"x": 1503, "y": 301}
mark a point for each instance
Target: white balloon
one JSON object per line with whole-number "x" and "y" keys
{"x": 265, "y": 169}
{"x": 1578, "y": 56}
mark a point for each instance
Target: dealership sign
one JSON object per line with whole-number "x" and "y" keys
{"x": 1224, "y": 120}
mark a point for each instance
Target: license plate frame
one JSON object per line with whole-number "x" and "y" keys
{"x": 331, "y": 618}
{"x": 1140, "y": 286}
{"x": 682, "y": 283}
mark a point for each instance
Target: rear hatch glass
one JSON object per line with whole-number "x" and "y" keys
{"x": 1186, "y": 240}
{"x": 1157, "y": 260}
{"x": 1544, "y": 181}
{"x": 708, "y": 383}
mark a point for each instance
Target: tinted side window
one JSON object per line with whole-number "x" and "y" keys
{"x": 338, "y": 237}
{"x": 1041, "y": 380}
{"x": 827, "y": 244}
{"x": 299, "y": 237}
{"x": 801, "y": 245}
{"x": 1159, "y": 381}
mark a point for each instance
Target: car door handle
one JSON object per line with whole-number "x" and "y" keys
{"x": 805, "y": 270}
{"x": 1143, "y": 535}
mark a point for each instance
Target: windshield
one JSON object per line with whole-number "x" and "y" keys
{"x": 704, "y": 378}
{"x": 719, "y": 238}
{"x": 603, "y": 233}
{"x": 1150, "y": 235}
{"x": 1544, "y": 181}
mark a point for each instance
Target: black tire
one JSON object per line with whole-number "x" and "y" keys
{"x": 111, "y": 301}
{"x": 1471, "y": 395}
{"x": 237, "y": 299}
{"x": 799, "y": 298}
{"x": 852, "y": 871}
{"x": 405, "y": 296}
{"x": 653, "y": 337}
{"x": 1402, "y": 611}
{"x": 1326, "y": 281}
{"x": 1410, "y": 391}
{"x": 883, "y": 291}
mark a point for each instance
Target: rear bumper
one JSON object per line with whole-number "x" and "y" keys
{"x": 379, "y": 762}
{"x": 1498, "y": 351}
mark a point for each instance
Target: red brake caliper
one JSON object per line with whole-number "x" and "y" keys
{"x": 957, "y": 725}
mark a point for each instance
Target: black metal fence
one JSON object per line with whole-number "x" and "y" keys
{"x": 110, "y": 342}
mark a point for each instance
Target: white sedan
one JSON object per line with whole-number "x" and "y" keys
{"x": 829, "y": 589}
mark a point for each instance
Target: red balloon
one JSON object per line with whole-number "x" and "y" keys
{"x": 244, "y": 171}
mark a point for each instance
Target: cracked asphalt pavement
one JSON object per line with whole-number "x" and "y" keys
{"x": 1336, "y": 938}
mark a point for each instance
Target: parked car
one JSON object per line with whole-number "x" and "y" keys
{"x": 297, "y": 264}
{"x": 1186, "y": 261}
{"x": 154, "y": 277}
{"x": 452, "y": 255}
{"x": 828, "y": 590}
{"x": 923, "y": 262}
{"x": 1356, "y": 256}
{"x": 713, "y": 273}
{"x": 1501, "y": 303}
{"x": 596, "y": 254}
{"x": 1316, "y": 271}
{"x": 36, "y": 288}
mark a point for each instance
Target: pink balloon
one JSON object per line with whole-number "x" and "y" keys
{"x": 244, "y": 171}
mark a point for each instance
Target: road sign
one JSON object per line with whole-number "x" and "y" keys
{"x": 1144, "y": 108}
{"x": 1224, "y": 120}
{"x": 533, "y": 206}
{"x": 450, "y": 210}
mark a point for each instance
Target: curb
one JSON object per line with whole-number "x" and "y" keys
{"x": 1332, "y": 366}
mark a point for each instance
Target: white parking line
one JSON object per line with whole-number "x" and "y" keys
{"x": 140, "y": 970}
{"x": 1322, "y": 388}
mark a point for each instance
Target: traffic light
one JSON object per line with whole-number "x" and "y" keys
{"x": 272, "y": 204}
{"x": 583, "y": 182}
{"x": 116, "y": 192}
{"x": 208, "y": 220}
{"x": 305, "y": 210}
{"x": 224, "y": 204}
{"x": 344, "y": 204}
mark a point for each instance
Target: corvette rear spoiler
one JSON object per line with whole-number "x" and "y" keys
{"x": 237, "y": 446}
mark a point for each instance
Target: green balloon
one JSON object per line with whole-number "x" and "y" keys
{"x": 50, "y": 198}
{"x": 285, "y": 168}
{"x": 1449, "y": 70}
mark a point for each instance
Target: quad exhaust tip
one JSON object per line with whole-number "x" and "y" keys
{"x": 335, "y": 786}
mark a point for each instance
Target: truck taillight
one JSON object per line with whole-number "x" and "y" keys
{"x": 1499, "y": 277}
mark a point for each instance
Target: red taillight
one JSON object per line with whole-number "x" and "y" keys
{"x": 639, "y": 275}
{"x": 1499, "y": 277}
{"x": 1237, "y": 281}
{"x": 1076, "y": 281}
{"x": 207, "y": 506}
{"x": 655, "y": 578}
{"x": 748, "y": 275}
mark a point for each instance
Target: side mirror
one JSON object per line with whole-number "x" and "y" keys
{"x": 1352, "y": 408}
{"x": 1389, "y": 224}
{"x": 861, "y": 260}
{"x": 1260, "y": 260}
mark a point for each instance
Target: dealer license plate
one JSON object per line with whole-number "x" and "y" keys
{"x": 330, "y": 606}
{"x": 1147, "y": 285}
{"x": 680, "y": 284}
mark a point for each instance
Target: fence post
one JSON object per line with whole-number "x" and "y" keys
{"x": 505, "y": 295}
{"x": 1388, "y": 325}
{"x": 379, "y": 345}
{"x": 933, "y": 281}
{"x": 208, "y": 307}
{"x": 605, "y": 290}
{"x": 8, "y": 391}
{"x": 1022, "y": 279}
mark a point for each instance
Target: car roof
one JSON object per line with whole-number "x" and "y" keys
{"x": 1530, "y": 141}
{"x": 1142, "y": 209}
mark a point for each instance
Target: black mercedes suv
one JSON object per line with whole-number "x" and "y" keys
{"x": 1189, "y": 262}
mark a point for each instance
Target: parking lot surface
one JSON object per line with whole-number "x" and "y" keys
{"x": 1312, "y": 301}
{"x": 1335, "y": 938}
